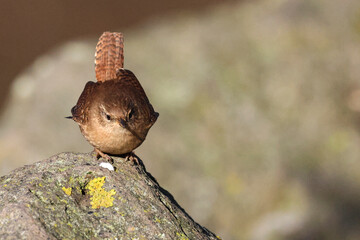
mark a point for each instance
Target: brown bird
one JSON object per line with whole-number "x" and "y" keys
{"x": 114, "y": 114}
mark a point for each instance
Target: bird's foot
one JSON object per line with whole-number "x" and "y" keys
{"x": 133, "y": 158}
{"x": 103, "y": 155}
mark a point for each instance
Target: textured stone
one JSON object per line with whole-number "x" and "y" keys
{"x": 69, "y": 196}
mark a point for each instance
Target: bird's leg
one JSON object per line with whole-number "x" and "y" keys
{"x": 103, "y": 155}
{"x": 132, "y": 157}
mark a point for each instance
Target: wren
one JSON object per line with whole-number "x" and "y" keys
{"x": 114, "y": 113}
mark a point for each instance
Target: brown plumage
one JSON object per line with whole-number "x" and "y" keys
{"x": 114, "y": 114}
{"x": 109, "y": 56}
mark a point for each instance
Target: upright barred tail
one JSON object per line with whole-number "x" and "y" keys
{"x": 109, "y": 56}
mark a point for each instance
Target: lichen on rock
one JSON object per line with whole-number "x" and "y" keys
{"x": 67, "y": 190}
{"x": 99, "y": 196}
{"x": 69, "y": 196}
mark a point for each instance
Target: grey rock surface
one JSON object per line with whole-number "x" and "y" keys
{"x": 69, "y": 196}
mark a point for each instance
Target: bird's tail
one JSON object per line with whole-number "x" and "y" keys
{"x": 109, "y": 56}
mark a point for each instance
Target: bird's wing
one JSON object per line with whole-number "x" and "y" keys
{"x": 128, "y": 78}
{"x": 83, "y": 103}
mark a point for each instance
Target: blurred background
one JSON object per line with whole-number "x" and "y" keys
{"x": 259, "y": 102}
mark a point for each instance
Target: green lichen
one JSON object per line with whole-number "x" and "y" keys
{"x": 63, "y": 169}
{"x": 181, "y": 236}
{"x": 99, "y": 196}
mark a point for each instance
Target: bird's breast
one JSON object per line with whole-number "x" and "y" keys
{"x": 110, "y": 138}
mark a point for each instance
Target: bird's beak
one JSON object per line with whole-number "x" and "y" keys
{"x": 124, "y": 124}
{"x": 69, "y": 117}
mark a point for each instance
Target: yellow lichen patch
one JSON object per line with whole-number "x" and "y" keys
{"x": 182, "y": 236}
{"x": 99, "y": 196}
{"x": 67, "y": 190}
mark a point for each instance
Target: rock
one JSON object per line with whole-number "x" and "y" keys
{"x": 69, "y": 196}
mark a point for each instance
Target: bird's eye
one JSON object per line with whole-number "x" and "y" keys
{"x": 130, "y": 114}
{"x": 108, "y": 117}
